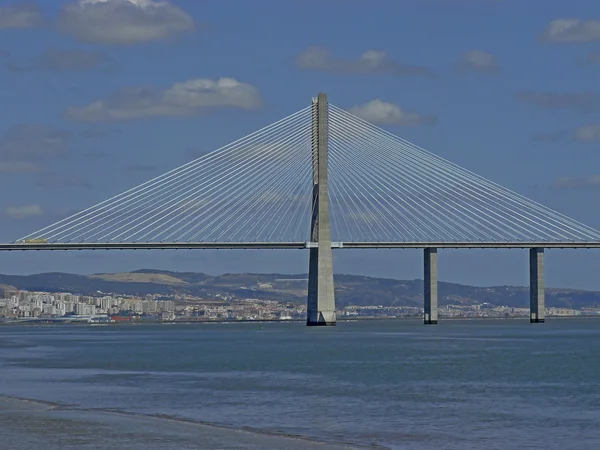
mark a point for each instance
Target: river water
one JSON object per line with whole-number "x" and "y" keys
{"x": 494, "y": 384}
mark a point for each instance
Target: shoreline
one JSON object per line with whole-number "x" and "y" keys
{"x": 74, "y": 413}
{"x": 278, "y": 321}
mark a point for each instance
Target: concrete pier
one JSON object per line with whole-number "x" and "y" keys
{"x": 537, "y": 304}
{"x": 430, "y": 289}
{"x": 321, "y": 297}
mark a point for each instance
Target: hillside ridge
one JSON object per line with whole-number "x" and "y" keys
{"x": 350, "y": 289}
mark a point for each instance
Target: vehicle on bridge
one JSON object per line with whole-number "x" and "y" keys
{"x": 34, "y": 241}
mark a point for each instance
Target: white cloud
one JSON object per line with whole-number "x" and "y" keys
{"x": 590, "y": 181}
{"x": 24, "y": 148}
{"x": 552, "y": 137}
{"x": 478, "y": 60}
{"x": 588, "y": 133}
{"x": 20, "y": 15}
{"x": 122, "y": 22}
{"x": 593, "y": 58}
{"x": 371, "y": 61}
{"x": 140, "y": 3}
{"x": 32, "y": 141}
{"x": 19, "y": 167}
{"x": 572, "y": 30}
{"x": 584, "y": 102}
{"x": 55, "y": 180}
{"x": 382, "y": 113}
{"x": 187, "y": 98}
{"x": 23, "y": 212}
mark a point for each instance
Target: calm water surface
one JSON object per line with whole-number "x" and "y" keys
{"x": 395, "y": 384}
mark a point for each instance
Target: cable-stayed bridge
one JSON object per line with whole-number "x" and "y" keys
{"x": 322, "y": 179}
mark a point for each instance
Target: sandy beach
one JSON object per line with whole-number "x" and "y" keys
{"x": 27, "y": 424}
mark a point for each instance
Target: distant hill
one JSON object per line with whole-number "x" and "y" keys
{"x": 350, "y": 289}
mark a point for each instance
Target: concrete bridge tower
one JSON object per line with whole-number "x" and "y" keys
{"x": 321, "y": 297}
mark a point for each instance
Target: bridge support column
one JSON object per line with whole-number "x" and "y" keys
{"x": 321, "y": 297}
{"x": 537, "y": 304}
{"x": 430, "y": 289}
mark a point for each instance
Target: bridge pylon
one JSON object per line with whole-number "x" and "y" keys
{"x": 537, "y": 307}
{"x": 321, "y": 297}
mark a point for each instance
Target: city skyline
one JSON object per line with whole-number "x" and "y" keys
{"x": 23, "y": 306}
{"x": 52, "y": 174}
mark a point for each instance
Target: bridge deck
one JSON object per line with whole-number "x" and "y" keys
{"x": 283, "y": 245}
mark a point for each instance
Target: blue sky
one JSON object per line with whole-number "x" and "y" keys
{"x": 506, "y": 88}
